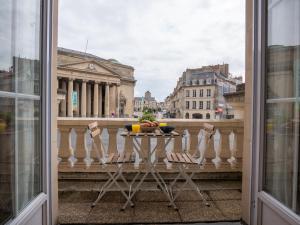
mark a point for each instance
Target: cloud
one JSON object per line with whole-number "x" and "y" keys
{"x": 159, "y": 38}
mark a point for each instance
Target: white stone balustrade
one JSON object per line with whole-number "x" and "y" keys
{"x": 223, "y": 152}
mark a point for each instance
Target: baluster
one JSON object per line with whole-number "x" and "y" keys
{"x": 160, "y": 150}
{"x": 65, "y": 148}
{"x": 128, "y": 145}
{"x": 217, "y": 143}
{"x": 57, "y": 144}
{"x": 233, "y": 149}
{"x": 202, "y": 146}
{"x": 96, "y": 152}
{"x": 193, "y": 141}
{"x": 81, "y": 150}
{"x": 145, "y": 143}
{"x": 112, "y": 144}
{"x": 225, "y": 150}
{"x": 178, "y": 140}
{"x": 88, "y": 159}
{"x": 239, "y": 134}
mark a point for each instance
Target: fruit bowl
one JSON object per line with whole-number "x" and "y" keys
{"x": 148, "y": 129}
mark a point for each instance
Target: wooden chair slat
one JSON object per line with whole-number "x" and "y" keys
{"x": 121, "y": 158}
{"x": 191, "y": 158}
{"x": 95, "y": 132}
{"x": 179, "y": 156}
{"x": 93, "y": 125}
{"x": 187, "y": 159}
{"x": 169, "y": 157}
{"x": 115, "y": 158}
{"x": 127, "y": 157}
{"x": 110, "y": 157}
{"x": 175, "y": 159}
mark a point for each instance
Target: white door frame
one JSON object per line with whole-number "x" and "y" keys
{"x": 261, "y": 199}
{"x": 41, "y": 205}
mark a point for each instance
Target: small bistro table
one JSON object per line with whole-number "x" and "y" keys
{"x": 149, "y": 164}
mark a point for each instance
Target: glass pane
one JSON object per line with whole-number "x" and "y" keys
{"x": 29, "y": 151}
{"x": 7, "y": 134}
{"x": 6, "y": 73}
{"x": 26, "y": 55}
{"x": 283, "y": 48}
{"x": 282, "y": 107}
{"x": 280, "y": 147}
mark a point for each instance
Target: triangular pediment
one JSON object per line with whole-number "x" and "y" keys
{"x": 90, "y": 66}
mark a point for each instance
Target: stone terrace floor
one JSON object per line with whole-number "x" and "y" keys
{"x": 75, "y": 200}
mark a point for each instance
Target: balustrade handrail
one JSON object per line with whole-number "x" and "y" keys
{"x": 79, "y": 121}
{"x": 226, "y": 147}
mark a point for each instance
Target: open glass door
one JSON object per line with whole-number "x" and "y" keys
{"x": 278, "y": 101}
{"x": 24, "y": 68}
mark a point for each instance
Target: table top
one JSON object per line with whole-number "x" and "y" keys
{"x": 157, "y": 133}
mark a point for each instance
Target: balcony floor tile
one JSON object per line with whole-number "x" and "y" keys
{"x": 73, "y": 213}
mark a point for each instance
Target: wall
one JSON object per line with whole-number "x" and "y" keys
{"x": 247, "y": 154}
{"x": 54, "y": 151}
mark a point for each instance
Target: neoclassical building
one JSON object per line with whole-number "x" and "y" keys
{"x": 95, "y": 87}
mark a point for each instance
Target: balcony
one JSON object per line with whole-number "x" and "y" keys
{"x": 80, "y": 174}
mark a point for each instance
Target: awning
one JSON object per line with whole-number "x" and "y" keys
{"x": 219, "y": 110}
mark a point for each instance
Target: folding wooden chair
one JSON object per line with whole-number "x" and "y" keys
{"x": 183, "y": 161}
{"x": 114, "y": 158}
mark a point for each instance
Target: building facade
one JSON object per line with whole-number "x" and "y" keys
{"x": 199, "y": 93}
{"x": 95, "y": 87}
{"x": 235, "y": 103}
{"x": 146, "y": 102}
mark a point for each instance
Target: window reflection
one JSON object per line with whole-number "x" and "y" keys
{"x": 7, "y": 133}
{"x": 282, "y": 103}
{"x": 29, "y": 155}
{"x": 6, "y": 71}
{"x": 20, "y": 132}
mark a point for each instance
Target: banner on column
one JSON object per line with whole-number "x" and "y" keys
{"x": 75, "y": 100}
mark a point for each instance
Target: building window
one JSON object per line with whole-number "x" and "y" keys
{"x": 194, "y": 104}
{"x": 197, "y": 116}
{"x": 194, "y": 93}
{"x": 187, "y": 93}
{"x": 207, "y": 116}
{"x": 201, "y": 105}
{"x": 187, "y": 105}
{"x": 201, "y": 93}
{"x": 187, "y": 115}
{"x": 208, "y": 105}
{"x": 208, "y": 92}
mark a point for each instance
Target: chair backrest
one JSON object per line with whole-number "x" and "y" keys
{"x": 94, "y": 130}
{"x": 210, "y": 129}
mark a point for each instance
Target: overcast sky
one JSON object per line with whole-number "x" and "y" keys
{"x": 159, "y": 38}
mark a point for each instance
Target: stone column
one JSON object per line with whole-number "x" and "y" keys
{"x": 76, "y": 111}
{"x": 58, "y": 101}
{"x": 88, "y": 100}
{"x": 113, "y": 99}
{"x": 100, "y": 114}
{"x": 83, "y": 99}
{"x": 64, "y": 102}
{"x": 118, "y": 100}
{"x": 70, "y": 91}
{"x": 106, "y": 107}
{"x": 96, "y": 100}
